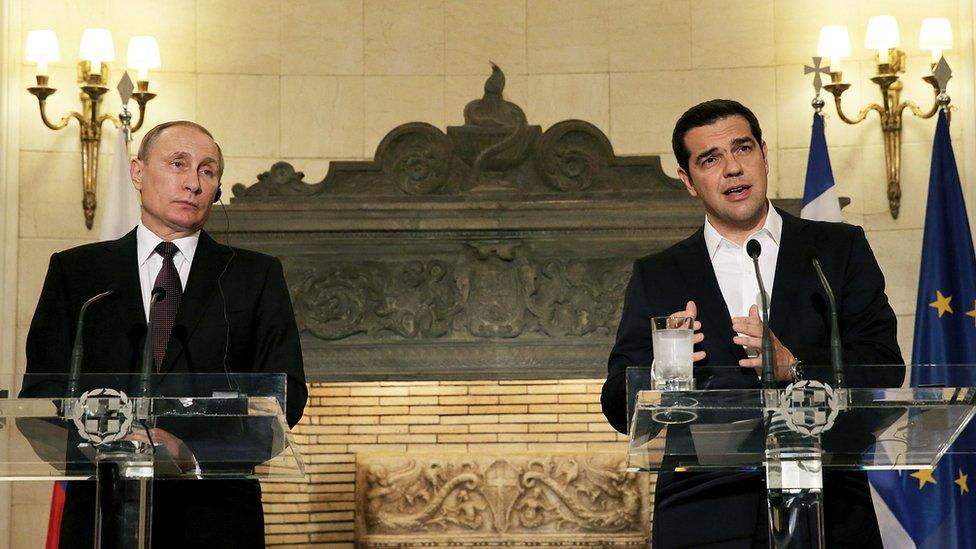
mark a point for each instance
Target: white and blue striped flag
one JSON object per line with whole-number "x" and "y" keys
{"x": 819, "y": 194}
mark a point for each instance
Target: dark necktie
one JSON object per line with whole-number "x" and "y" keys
{"x": 164, "y": 312}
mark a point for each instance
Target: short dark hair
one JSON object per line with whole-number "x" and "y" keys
{"x": 152, "y": 136}
{"x": 704, "y": 114}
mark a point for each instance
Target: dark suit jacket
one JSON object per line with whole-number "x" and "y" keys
{"x": 263, "y": 337}
{"x": 663, "y": 283}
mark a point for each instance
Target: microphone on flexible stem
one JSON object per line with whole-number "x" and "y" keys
{"x": 158, "y": 294}
{"x": 836, "y": 354}
{"x": 78, "y": 351}
{"x": 768, "y": 380}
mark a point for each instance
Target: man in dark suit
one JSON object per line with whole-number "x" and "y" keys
{"x": 709, "y": 276}
{"x": 235, "y": 315}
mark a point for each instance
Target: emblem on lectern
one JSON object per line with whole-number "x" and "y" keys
{"x": 809, "y": 407}
{"x": 103, "y": 415}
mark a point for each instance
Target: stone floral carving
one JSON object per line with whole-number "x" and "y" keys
{"x": 491, "y": 290}
{"x": 502, "y": 496}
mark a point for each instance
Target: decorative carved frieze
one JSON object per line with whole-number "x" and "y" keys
{"x": 510, "y": 501}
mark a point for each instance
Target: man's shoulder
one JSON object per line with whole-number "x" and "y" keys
{"x": 94, "y": 250}
{"x": 675, "y": 253}
{"x": 826, "y": 232}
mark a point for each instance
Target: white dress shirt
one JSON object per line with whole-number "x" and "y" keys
{"x": 733, "y": 266}
{"x": 151, "y": 262}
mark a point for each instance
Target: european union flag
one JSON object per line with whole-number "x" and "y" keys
{"x": 936, "y": 508}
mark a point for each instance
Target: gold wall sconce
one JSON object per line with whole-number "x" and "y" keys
{"x": 97, "y": 49}
{"x": 882, "y": 35}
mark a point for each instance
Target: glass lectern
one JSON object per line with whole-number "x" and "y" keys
{"x": 794, "y": 432}
{"x": 230, "y": 427}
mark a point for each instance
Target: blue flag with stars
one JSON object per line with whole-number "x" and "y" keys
{"x": 936, "y": 508}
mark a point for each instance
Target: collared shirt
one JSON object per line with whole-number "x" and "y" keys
{"x": 733, "y": 266}
{"x": 150, "y": 262}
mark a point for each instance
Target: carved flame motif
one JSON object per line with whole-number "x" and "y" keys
{"x": 499, "y": 496}
{"x": 491, "y": 290}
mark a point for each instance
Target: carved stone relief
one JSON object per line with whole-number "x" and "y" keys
{"x": 511, "y": 501}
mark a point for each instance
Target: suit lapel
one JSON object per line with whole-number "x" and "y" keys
{"x": 121, "y": 269}
{"x": 209, "y": 262}
{"x": 791, "y": 265}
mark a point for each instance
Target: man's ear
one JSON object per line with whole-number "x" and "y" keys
{"x": 765, "y": 151}
{"x": 686, "y": 179}
{"x": 135, "y": 173}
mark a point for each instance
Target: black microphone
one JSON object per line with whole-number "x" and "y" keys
{"x": 768, "y": 380}
{"x": 78, "y": 351}
{"x": 836, "y": 353}
{"x": 158, "y": 294}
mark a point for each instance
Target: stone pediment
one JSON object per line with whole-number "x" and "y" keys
{"x": 496, "y": 154}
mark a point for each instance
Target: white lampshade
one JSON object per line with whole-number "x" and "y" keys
{"x": 143, "y": 55}
{"x": 42, "y": 48}
{"x": 935, "y": 36}
{"x": 97, "y": 46}
{"x": 834, "y": 43}
{"x": 882, "y": 34}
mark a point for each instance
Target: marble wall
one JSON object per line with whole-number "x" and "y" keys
{"x": 314, "y": 81}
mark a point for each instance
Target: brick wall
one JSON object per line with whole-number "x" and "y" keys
{"x": 343, "y": 419}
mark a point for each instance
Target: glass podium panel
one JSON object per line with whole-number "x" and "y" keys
{"x": 863, "y": 428}
{"x": 233, "y": 425}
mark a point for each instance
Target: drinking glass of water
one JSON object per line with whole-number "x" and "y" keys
{"x": 671, "y": 337}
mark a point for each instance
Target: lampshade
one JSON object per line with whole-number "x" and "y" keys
{"x": 97, "y": 47}
{"x": 42, "y": 48}
{"x": 936, "y": 33}
{"x": 143, "y": 55}
{"x": 834, "y": 43}
{"x": 882, "y": 33}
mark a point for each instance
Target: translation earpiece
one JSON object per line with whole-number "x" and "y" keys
{"x": 217, "y": 196}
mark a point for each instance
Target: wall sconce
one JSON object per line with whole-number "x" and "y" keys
{"x": 882, "y": 35}
{"x": 97, "y": 49}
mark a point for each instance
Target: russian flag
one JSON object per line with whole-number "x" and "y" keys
{"x": 819, "y": 194}
{"x": 54, "y": 519}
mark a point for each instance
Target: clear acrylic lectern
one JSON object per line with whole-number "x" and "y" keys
{"x": 231, "y": 427}
{"x": 795, "y": 432}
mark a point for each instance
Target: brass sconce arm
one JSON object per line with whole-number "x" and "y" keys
{"x": 890, "y": 115}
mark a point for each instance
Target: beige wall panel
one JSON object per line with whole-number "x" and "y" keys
{"x": 172, "y": 22}
{"x": 322, "y": 37}
{"x": 241, "y": 111}
{"x": 176, "y": 99}
{"x": 644, "y": 107}
{"x": 404, "y": 38}
{"x": 649, "y": 35}
{"x": 797, "y": 28}
{"x": 239, "y": 36}
{"x": 322, "y": 116}
{"x": 754, "y": 87}
{"x": 898, "y": 253}
{"x": 568, "y": 36}
{"x": 460, "y": 90}
{"x": 556, "y": 97}
{"x": 731, "y": 34}
{"x": 915, "y": 165}
{"x": 478, "y": 31}
{"x": 34, "y": 254}
{"x": 395, "y": 100}
{"x": 51, "y": 193}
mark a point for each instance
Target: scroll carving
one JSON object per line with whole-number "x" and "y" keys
{"x": 500, "y": 496}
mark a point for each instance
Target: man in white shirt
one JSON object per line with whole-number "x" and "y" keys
{"x": 709, "y": 276}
